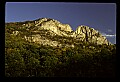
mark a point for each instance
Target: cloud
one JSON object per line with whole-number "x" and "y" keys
{"x": 109, "y": 35}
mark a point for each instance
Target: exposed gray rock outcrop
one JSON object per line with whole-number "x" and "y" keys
{"x": 88, "y": 34}
{"x": 82, "y": 33}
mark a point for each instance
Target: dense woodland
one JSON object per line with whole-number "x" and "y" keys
{"x": 28, "y": 59}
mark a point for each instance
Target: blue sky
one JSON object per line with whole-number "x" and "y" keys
{"x": 100, "y": 16}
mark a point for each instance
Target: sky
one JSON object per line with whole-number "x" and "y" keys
{"x": 100, "y": 16}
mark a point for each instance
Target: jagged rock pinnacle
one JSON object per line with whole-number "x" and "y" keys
{"x": 90, "y": 35}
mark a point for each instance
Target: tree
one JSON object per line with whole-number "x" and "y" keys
{"x": 14, "y": 63}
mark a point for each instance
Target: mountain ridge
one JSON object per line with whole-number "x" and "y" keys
{"x": 40, "y": 51}
{"x": 51, "y": 28}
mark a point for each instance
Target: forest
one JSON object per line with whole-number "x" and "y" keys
{"x": 28, "y": 59}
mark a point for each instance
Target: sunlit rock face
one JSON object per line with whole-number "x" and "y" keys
{"x": 90, "y": 35}
{"x": 53, "y": 25}
{"x": 47, "y": 23}
{"x": 45, "y": 28}
{"x": 15, "y": 32}
{"x": 65, "y": 27}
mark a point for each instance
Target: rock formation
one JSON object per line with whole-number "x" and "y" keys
{"x": 88, "y": 34}
{"x": 52, "y": 28}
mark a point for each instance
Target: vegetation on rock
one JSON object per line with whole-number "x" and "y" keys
{"x": 29, "y": 59}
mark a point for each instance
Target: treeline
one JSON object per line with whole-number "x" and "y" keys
{"x": 25, "y": 59}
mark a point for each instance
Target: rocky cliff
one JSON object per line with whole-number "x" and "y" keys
{"x": 51, "y": 32}
{"x": 88, "y": 34}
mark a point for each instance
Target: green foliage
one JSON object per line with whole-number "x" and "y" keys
{"x": 14, "y": 63}
{"x": 24, "y": 59}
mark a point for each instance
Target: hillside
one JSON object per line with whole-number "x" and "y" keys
{"x": 46, "y": 47}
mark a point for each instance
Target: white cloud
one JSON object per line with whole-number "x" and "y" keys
{"x": 109, "y": 35}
